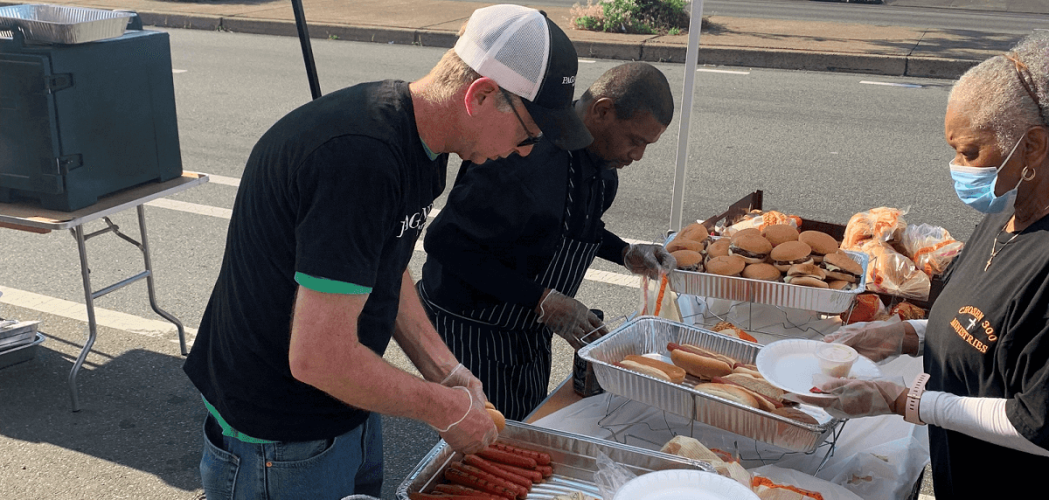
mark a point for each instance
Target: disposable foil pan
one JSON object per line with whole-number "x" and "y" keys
{"x": 648, "y": 334}
{"x": 62, "y": 24}
{"x": 822, "y": 300}
{"x": 573, "y": 459}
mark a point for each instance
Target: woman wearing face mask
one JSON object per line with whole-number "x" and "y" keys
{"x": 985, "y": 391}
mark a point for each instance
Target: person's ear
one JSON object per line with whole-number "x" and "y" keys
{"x": 1037, "y": 148}
{"x": 483, "y": 91}
{"x": 603, "y": 109}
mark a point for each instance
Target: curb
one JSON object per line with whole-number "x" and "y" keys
{"x": 888, "y": 65}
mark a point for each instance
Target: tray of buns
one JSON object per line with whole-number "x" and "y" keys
{"x": 571, "y": 456}
{"x": 795, "y": 428}
{"x": 726, "y": 271}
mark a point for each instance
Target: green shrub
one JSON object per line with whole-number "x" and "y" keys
{"x": 632, "y": 16}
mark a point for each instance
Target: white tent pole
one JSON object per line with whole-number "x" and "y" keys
{"x": 691, "y": 59}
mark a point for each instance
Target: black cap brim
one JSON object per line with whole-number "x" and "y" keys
{"x": 561, "y": 126}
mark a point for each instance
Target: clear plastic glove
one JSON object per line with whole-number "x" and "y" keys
{"x": 460, "y": 376}
{"x": 650, "y": 260}
{"x": 570, "y": 319}
{"x": 854, "y": 397}
{"x": 474, "y": 431}
{"x": 877, "y": 340}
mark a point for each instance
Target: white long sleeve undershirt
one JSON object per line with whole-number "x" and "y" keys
{"x": 981, "y": 418}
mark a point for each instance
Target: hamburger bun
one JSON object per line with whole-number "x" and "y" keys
{"x": 806, "y": 270}
{"x": 694, "y": 232}
{"x": 729, "y": 392}
{"x": 750, "y": 231}
{"x": 809, "y": 281}
{"x": 820, "y": 242}
{"x": 688, "y": 260}
{"x": 777, "y": 234}
{"x": 841, "y": 285}
{"x": 729, "y": 265}
{"x": 718, "y": 248}
{"x": 753, "y": 248}
{"x": 789, "y": 253}
{"x": 762, "y": 271}
{"x": 680, "y": 243}
{"x": 839, "y": 266}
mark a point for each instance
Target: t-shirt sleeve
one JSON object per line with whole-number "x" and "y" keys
{"x": 346, "y": 192}
{"x": 1029, "y": 409}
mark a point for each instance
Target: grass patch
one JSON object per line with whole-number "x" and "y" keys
{"x": 647, "y": 17}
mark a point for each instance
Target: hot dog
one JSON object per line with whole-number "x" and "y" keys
{"x": 704, "y": 367}
{"x": 490, "y": 468}
{"x": 473, "y": 477}
{"x": 458, "y": 489}
{"x": 539, "y": 457}
{"x": 503, "y": 457}
{"x": 675, "y": 374}
{"x": 533, "y": 475}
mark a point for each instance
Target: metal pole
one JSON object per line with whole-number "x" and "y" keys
{"x": 691, "y": 60}
{"x": 307, "y": 50}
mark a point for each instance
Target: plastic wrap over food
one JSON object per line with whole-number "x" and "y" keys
{"x": 893, "y": 273}
{"x": 930, "y": 247}
{"x": 882, "y": 224}
{"x": 759, "y": 220}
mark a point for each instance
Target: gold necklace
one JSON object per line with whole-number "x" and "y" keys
{"x": 994, "y": 245}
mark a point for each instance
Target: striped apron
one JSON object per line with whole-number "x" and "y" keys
{"x": 503, "y": 345}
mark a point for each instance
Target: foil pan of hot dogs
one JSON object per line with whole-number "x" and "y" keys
{"x": 571, "y": 458}
{"x": 650, "y": 336}
{"x": 776, "y": 293}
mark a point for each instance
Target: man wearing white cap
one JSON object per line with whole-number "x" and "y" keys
{"x": 314, "y": 280}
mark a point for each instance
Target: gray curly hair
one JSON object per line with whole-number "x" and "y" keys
{"x": 996, "y": 99}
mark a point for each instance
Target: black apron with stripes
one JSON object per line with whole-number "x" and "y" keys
{"x": 504, "y": 345}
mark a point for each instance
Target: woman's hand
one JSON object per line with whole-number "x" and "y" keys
{"x": 856, "y": 398}
{"x": 878, "y": 340}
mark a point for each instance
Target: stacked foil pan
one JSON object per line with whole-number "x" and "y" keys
{"x": 573, "y": 458}
{"x": 649, "y": 334}
{"x": 775, "y": 293}
{"x": 62, "y": 24}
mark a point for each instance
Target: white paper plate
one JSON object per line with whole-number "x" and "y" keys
{"x": 790, "y": 364}
{"x": 684, "y": 485}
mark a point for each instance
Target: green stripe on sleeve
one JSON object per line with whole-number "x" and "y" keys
{"x": 330, "y": 286}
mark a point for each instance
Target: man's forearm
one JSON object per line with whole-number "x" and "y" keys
{"x": 417, "y": 337}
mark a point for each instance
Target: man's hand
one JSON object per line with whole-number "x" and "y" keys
{"x": 569, "y": 318}
{"x": 461, "y": 377}
{"x": 650, "y": 260}
{"x": 474, "y": 431}
{"x": 877, "y": 340}
{"x": 856, "y": 398}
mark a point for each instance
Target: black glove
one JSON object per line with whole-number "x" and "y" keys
{"x": 569, "y": 318}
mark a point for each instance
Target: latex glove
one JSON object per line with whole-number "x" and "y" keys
{"x": 877, "y": 340}
{"x": 650, "y": 260}
{"x": 474, "y": 431}
{"x": 570, "y": 319}
{"x": 460, "y": 376}
{"x": 854, "y": 397}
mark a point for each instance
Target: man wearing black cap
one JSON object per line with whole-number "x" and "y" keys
{"x": 314, "y": 281}
{"x": 509, "y": 250}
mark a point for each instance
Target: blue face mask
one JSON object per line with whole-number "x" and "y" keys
{"x": 975, "y": 186}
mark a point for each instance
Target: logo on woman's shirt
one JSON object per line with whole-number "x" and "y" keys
{"x": 971, "y": 326}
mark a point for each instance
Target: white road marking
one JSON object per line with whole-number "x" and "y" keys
{"x": 193, "y": 208}
{"x": 225, "y": 181}
{"x": 104, "y": 317}
{"x": 891, "y": 84}
{"x": 177, "y": 71}
{"x": 724, "y": 71}
{"x": 587, "y": 61}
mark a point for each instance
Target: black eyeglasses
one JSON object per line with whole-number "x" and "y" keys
{"x": 532, "y": 140}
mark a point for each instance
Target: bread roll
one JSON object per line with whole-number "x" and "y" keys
{"x": 729, "y": 392}
{"x": 700, "y": 366}
{"x": 675, "y": 373}
{"x": 645, "y": 369}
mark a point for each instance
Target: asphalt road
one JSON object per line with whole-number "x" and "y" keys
{"x": 821, "y": 145}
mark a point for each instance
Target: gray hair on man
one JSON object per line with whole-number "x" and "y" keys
{"x": 1008, "y": 93}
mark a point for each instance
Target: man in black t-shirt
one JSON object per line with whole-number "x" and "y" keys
{"x": 508, "y": 252}
{"x": 314, "y": 279}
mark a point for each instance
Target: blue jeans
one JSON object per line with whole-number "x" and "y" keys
{"x": 326, "y": 469}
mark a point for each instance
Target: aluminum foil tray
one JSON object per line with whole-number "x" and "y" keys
{"x": 770, "y": 292}
{"x": 62, "y": 24}
{"x": 574, "y": 461}
{"x": 649, "y": 334}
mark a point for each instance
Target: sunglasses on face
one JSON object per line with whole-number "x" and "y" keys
{"x": 532, "y": 139}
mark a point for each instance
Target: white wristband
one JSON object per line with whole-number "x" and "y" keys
{"x": 468, "y": 408}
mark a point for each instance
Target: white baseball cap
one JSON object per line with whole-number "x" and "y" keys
{"x": 527, "y": 54}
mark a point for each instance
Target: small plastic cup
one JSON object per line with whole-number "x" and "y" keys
{"x": 836, "y": 359}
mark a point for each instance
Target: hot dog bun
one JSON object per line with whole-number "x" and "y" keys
{"x": 729, "y": 392}
{"x": 675, "y": 373}
{"x": 700, "y": 366}
{"x": 645, "y": 369}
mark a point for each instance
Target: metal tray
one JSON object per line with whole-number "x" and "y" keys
{"x": 770, "y": 292}
{"x": 62, "y": 24}
{"x": 21, "y": 353}
{"x": 573, "y": 457}
{"x": 648, "y": 334}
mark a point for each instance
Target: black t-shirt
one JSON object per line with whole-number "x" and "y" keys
{"x": 339, "y": 189}
{"x": 988, "y": 336}
{"x": 503, "y": 223}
